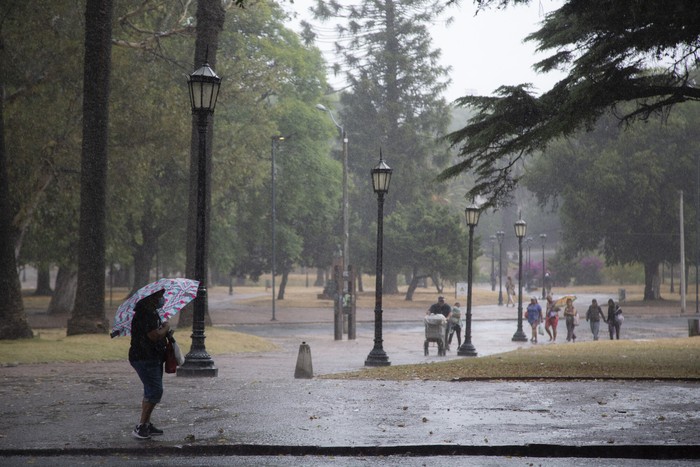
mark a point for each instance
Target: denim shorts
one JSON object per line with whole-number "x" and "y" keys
{"x": 151, "y": 374}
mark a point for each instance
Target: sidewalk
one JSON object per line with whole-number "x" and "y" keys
{"x": 256, "y": 405}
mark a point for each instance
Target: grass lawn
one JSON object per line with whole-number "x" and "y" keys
{"x": 662, "y": 358}
{"x": 52, "y": 345}
{"x": 653, "y": 359}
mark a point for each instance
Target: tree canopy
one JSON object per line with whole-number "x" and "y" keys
{"x": 639, "y": 52}
{"x": 619, "y": 189}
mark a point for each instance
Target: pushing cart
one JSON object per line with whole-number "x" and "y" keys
{"x": 435, "y": 326}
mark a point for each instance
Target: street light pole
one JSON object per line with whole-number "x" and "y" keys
{"x": 381, "y": 176}
{"x": 499, "y": 235}
{"x": 492, "y": 239}
{"x": 543, "y": 237}
{"x": 520, "y": 229}
{"x": 204, "y": 89}
{"x": 275, "y": 140}
{"x": 528, "y": 241}
{"x": 467, "y": 349}
{"x": 345, "y": 209}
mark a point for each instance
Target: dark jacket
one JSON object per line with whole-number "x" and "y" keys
{"x": 142, "y": 348}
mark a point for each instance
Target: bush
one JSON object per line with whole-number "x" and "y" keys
{"x": 589, "y": 271}
{"x": 586, "y": 270}
{"x": 628, "y": 274}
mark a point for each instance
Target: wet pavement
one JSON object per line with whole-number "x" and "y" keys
{"x": 77, "y": 413}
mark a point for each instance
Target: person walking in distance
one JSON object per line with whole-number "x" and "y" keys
{"x": 551, "y": 319}
{"x": 455, "y": 324}
{"x": 571, "y": 320}
{"x": 510, "y": 291}
{"x": 593, "y": 316}
{"x": 614, "y": 320}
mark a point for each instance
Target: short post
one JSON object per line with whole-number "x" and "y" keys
{"x": 304, "y": 368}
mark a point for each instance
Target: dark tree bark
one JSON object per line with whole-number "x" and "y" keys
{"x": 320, "y": 277}
{"x": 210, "y": 22}
{"x": 283, "y": 285}
{"x": 144, "y": 252}
{"x": 415, "y": 282}
{"x": 412, "y": 288}
{"x": 391, "y": 281}
{"x": 43, "y": 281}
{"x": 89, "y": 312}
{"x": 651, "y": 271}
{"x": 63, "y": 297}
{"x": 13, "y": 321}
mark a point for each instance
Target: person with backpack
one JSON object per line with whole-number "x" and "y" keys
{"x": 615, "y": 319}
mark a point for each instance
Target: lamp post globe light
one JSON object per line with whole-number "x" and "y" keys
{"x": 204, "y": 89}
{"x": 492, "y": 239}
{"x": 345, "y": 209}
{"x": 520, "y": 230}
{"x": 499, "y": 236}
{"x": 543, "y": 237}
{"x": 381, "y": 176}
{"x": 467, "y": 349}
{"x": 275, "y": 141}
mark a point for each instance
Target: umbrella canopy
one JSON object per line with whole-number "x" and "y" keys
{"x": 178, "y": 293}
{"x": 561, "y": 302}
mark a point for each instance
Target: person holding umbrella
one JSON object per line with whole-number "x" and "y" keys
{"x": 146, "y": 356}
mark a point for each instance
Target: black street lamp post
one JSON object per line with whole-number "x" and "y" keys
{"x": 381, "y": 176}
{"x": 543, "y": 237}
{"x": 499, "y": 235}
{"x": 204, "y": 89}
{"x": 275, "y": 141}
{"x": 467, "y": 349}
{"x": 492, "y": 239}
{"x": 520, "y": 229}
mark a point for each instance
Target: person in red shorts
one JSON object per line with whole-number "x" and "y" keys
{"x": 551, "y": 319}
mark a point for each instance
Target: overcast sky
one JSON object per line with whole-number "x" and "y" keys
{"x": 484, "y": 51}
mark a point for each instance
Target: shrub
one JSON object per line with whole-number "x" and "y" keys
{"x": 589, "y": 271}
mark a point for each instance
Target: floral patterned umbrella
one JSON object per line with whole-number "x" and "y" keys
{"x": 561, "y": 302}
{"x": 178, "y": 293}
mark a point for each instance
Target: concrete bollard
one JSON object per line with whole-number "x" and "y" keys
{"x": 304, "y": 367}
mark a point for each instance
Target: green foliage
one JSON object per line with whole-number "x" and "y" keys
{"x": 426, "y": 238}
{"x": 392, "y": 104}
{"x": 607, "y": 49}
{"x": 627, "y": 274}
{"x": 271, "y": 86}
{"x": 617, "y": 187}
{"x": 284, "y": 81}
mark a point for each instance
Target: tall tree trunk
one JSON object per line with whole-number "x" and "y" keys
{"x": 437, "y": 282}
{"x": 43, "y": 281}
{"x": 283, "y": 285}
{"x": 320, "y": 278}
{"x": 391, "y": 281}
{"x": 63, "y": 298}
{"x": 144, "y": 252}
{"x": 412, "y": 286}
{"x": 13, "y": 320}
{"x": 651, "y": 270}
{"x": 89, "y": 313}
{"x": 210, "y": 21}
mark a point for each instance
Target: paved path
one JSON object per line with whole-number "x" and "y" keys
{"x": 255, "y": 406}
